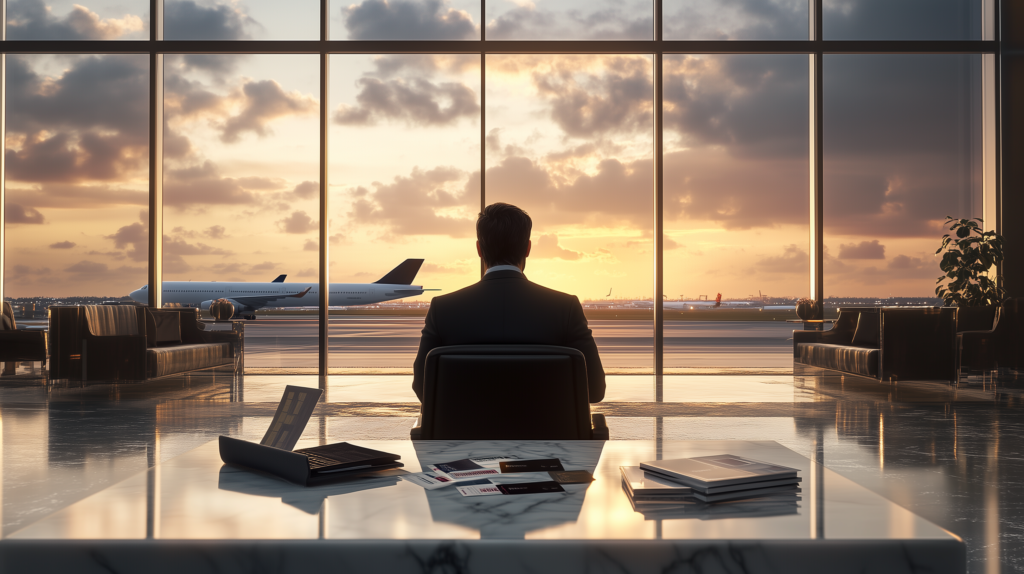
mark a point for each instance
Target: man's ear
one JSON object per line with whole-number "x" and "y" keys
{"x": 478, "y": 251}
{"x": 529, "y": 245}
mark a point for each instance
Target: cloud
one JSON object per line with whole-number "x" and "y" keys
{"x": 133, "y": 237}
{"x": 63, "y": 245}
{"x": 215, "y": 232}
{"x": 311, "y": 245}
{"x": 737, "y": 20}
{"x": 265, "y": 266}
{"x": 617, "y": 193}
{"x": 77, "y": 196}
{"x": 546, "y": 247}
{"x": 34, "y": 20}
{"x": 427, "y": 202}
{"x": 793, "y": 260}
{"x": 756, "y": 105}
{"x": 416, "y": 101}
{"x": 14, "y": 213}
{"x": 188, "y": 20}
{"x": 264, "y": 101}
{"x": 20, "y": 270}
{"x": 298, "y": 222}
{"x": 625, "y": 21}
{"x": 863, "y": 250}
{"x": 87, "y": 268}
{"x": 203, "y": 185}
{"x": 586, "y": 105}
{"x": 407, "y": 20}
{"x": 89, "y": 123}
{"x": 307, "y": 190}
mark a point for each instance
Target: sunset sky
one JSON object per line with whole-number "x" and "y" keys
{"x": 569, "y": 138}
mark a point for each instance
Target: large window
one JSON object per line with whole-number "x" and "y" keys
{"x": 666, "y": 155}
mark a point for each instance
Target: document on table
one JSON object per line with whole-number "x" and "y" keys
{"x": 470, "y": 468}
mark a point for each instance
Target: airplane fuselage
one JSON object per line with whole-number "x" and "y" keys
{"x": 198, "y": 293}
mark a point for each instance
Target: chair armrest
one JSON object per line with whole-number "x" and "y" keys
{"x": 918, "y": 344}
{"x": 114, "y": 357}
{"x": 416, "y": 431}
{"x": 600, "y": 430}
{"x": 22, "y": 345}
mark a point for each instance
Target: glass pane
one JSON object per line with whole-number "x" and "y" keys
{"x": 903, "y": 149}
{"x": 570, "y": 20}
{"x": 241, "y": 20}
{"x": 405, "y": 184}
{"x": 405, "y": 20}
{"x": 902, "y": 19}
{"x": 570, "y": 141}
{"x": 725, "y": 20}
{"x": 241, "y": 200}
{"x": 736, "y": 209}
{"x": 77, "y": 180}
{"x": 78, "y": 20}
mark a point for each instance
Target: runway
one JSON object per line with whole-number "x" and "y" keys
{"x": 391, "y": 342}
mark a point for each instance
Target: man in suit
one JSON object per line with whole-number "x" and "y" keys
{"x": 504, "y": 307}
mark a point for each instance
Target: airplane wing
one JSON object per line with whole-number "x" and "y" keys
{"x": 258, "y": 301}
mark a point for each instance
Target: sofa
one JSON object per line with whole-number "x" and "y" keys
{"x": 884, "y": 343}
{"x": 128, "y": 342}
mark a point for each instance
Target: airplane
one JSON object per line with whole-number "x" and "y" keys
{"x": 249, "y": 297}
{"x": 609, "y": 292}
{"x": 703, "y": 303}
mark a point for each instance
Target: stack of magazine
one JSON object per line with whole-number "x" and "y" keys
{"x": 695, "y": 486}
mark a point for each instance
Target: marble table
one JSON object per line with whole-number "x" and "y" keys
{"x": 192, "y": 514}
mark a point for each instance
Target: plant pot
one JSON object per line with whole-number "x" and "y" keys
{"x": 975, "y": 318}
{"x": 807, "y": 310}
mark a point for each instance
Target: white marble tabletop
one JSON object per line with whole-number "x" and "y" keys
{"x": 195, "y": 497}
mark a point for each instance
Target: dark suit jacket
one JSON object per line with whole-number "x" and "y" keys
{"x": 506, "y": 308}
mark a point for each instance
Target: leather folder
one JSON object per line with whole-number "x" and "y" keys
{"x": 286, "y": 464}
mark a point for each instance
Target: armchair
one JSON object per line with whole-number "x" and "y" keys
{"x": 507, "y": 392}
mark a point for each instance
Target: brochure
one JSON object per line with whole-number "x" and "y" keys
{"x": 428, "y": 480}
{"x": 480, "y": 487}
{"x": 469, "y": 468}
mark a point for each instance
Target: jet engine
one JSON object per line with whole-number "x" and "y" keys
{"x": 241, "y": 311}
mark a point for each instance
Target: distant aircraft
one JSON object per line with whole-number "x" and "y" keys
{"x": 249, "y": 297}
{"x": 703, "y": 303}
{"x": 609, "y": 292}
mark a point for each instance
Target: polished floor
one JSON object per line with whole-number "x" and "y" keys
{"x": 952, "y": 455}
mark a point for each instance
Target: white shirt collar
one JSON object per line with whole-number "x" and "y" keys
{"x": 503, "y": 268}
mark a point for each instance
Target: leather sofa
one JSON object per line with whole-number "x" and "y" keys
{"x": 127, "y": 342}
{"x": 884, "y": 343}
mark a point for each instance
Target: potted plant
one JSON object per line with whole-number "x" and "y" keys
{"x": 807, "y": 309}
{"x": 968, "y": 253}
{"x": 968, "y": 257}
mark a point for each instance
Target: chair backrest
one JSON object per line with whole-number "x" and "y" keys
{"x": 505, "y": 392}
{"x": 8, "y": 313}
{"x": 108, "y": 320}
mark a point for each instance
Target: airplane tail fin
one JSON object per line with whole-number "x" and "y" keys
{"x": 280, "y": 279}
{"x": 404, "y": 274}
{"x": 718, "y": 300}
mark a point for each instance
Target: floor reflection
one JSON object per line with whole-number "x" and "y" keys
{"x": 951, "y": 454}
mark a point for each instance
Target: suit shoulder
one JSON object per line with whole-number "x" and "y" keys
{"x": 563, "y": 297}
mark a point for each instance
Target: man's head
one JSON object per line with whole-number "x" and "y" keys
{"x": 503, "y": 235}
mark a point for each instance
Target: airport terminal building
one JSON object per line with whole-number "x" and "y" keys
{"x": 208, "y": 204}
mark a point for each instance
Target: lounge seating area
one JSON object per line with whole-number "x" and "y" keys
{"x": 130, "y": 343}
{"x": 884, "y": 343}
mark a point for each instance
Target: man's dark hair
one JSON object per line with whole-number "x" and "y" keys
{"x": 504, "y": 234}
